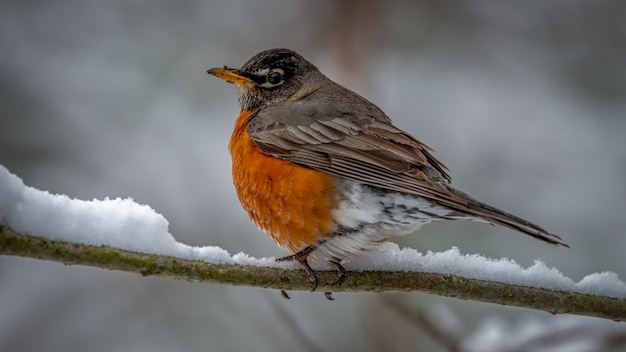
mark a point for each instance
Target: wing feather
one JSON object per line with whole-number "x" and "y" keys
{"x": 355, "y": 146}
{"x": 355, "y": 140}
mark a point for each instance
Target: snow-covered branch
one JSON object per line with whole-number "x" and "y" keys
{"x": 293, "y": 279}
{"x": 566, "y": 333}
{"x": 120, "y": 234}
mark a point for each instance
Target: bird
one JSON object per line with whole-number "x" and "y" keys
{"x": 326, "y": 174}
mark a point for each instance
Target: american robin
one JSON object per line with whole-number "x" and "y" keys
{"x": 325, "y": 173}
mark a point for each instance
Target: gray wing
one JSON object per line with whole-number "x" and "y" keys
{"x": 353, "y": 141}
{"x": 356, "y": 140}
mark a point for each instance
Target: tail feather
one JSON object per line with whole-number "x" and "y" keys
{"x": 493, "y": 215}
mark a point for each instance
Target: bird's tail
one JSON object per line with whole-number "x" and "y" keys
{"x": 482, "y": 211}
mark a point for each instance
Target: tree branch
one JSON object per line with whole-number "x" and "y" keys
{"x": 555, "y": 302}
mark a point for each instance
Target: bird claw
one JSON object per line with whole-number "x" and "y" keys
{"x": 341, "y": 273}
{"x": 341, "y": 276}
{"x": 301, "y": 257}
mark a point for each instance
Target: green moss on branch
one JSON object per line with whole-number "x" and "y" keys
{"x": 556, "y": 302}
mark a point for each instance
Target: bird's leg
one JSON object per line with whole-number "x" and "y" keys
{"x": 301, "y": 257}
{"x": 341, "y": 275}
{"x": 341, "y": 271}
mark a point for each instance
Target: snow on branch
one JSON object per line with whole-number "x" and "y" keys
{"x": 293, "y": 279}
{"x": 119, "y": 234}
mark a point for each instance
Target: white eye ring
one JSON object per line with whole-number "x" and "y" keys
{"x": 274, "y": 78}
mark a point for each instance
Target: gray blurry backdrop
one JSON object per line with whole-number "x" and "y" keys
{"x": 524, "y": 101}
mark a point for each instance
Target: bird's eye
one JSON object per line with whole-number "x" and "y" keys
{"x": 275, "y": 77}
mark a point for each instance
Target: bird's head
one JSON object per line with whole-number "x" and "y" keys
{"x": 271, "y": 76}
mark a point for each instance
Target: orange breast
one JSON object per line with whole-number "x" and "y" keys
{"x": 292, "y": 204}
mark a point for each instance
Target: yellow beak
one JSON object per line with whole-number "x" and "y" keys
{"x": 231, "y": 75}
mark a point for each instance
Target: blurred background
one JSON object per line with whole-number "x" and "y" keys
{"x": 525, "y": 102}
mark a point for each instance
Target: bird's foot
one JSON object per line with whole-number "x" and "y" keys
{"x": 341, "y": 276}
{"x": 301, "y": 257}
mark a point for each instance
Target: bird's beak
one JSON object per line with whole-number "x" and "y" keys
{"x": 233, "y": 76}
